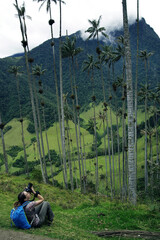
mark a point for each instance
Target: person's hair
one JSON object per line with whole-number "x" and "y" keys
{"x": 21, "y": 197}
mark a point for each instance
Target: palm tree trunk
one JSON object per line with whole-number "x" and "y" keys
{"x": 40, "y": 128}
{"x": 136, "y": 83}
{"x": 146, "y": 164}
{"x": 69, "y": 156}
{"x": 131, "y": 160}
{"x": 119, "y": 163}
{"x": 106, "y": 118}
{"x": 60, "y": 154}
{"x": 49, "y": 155}
{"x": 75, "y": 120}
{"x": 58, "y": 102}
{"x": 21, "y": 121}
{"x": 24, "y": 149}
{"x": 61, "y": 97}
{"x": 4, "y": 148}
{"x": 105, "y": 153}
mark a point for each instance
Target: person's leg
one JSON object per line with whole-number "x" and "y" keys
{"x": 44, "y": 211}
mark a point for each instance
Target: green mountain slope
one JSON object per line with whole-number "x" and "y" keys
{"x": 42, "y": 54}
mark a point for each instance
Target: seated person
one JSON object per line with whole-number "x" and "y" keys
{"x": 36, "y": 211}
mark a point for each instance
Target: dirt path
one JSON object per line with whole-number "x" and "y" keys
{"x": 129, "y": 233}
{"x": 14, "y": 235}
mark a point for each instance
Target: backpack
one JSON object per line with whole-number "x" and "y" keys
{"x": 19, "y": 218}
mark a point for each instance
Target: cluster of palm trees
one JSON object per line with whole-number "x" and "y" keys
{"x": 107, "y": 56}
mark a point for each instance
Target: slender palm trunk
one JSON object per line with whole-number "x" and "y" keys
{"x": 60, "y": 154}
{"x": 146, "y": 129}
{"x": 69, "y": 156}
{"x": 105, "y": 153}
{"x": 107, "y": 124}
{"x": 58, "y": 102}
{"x": 61, "y": 97}
{"x": 40, "y": 128}
{"x": 21, "y": 121}
{"x": 95, "y": 134}
{"x": 24, "y": 149}
{"x": 136, "y": 83}
{"x": 49, "y": 155}
{"x": 118, "y": 148}
{"x": 131, "y": 160}
{"x": 4, "y": 148}
{"x": 75, "y": 120}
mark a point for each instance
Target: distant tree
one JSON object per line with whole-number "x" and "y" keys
{"x": 16, "y": 71}
{"x": 95, "y": 29}
{"x": 144, "y": 55}
{"x": 70, "y": 51}
{"x": 90, "y": 65}
{"x": 37, "y": 71}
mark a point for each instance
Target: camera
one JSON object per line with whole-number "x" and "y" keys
{"x": 28, "y": 189}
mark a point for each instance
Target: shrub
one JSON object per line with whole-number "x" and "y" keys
{"x": 31, "y": 128}
{"x": 14, "y": 150}
{"x": 36, "y": 175}
{"x": 19, "y": 163}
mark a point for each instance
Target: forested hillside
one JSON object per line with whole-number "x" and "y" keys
{"x": 43, "y": 55}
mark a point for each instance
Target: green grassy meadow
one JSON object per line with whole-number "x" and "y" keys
{"x": 13, "y": 138}
{"x": 78, "y": 215}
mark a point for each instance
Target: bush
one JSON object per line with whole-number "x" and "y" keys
{"x": 54, "y": 158}
{"x": 14, "y": 150}
{"x": 31, "y": 128}
{"x": 37, "y": 175}
{"x": 19, "y": 163}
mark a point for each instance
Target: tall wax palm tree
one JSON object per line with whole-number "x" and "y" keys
{"x": 105, "y": 56}
{"x": 121, "y": 51}
{"x": 156, "y": 101}
{"x": 49, "y": 155}
{"x": 95, "y": 29}
{"x": 144, "y": 94}
{"x": 68, "y": 116}
{"x": 109, "y": 56}
{"x": 59, "y": 108}
{"x": 103, "y": 117}
{"x": 90, "y": 65}
{"x": 61, "y": 93}
{"x": 16, "y": 70}
{"x": 144, "y": 55}
{"x": 38, "y": 72}
{"x": 69, "y": 50}
{"x": 22, "y": 13}
{"x": 115, "y": 86}
{"x": 131, "y": 160}
{"x": 25, "y": 44}
{"x": 4, "y": 148}
{"x": 136, "y": 84}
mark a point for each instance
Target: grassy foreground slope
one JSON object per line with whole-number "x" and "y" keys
{"x": 77, "y": 215}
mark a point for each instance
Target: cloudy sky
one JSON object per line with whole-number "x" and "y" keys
{"x": 75, "y": 17}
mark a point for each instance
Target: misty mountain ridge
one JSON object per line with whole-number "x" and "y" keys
{"x": 42, "y": 54}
